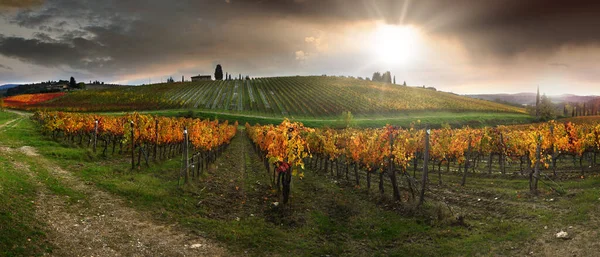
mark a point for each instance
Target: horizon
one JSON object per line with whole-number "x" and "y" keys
{"x": 466, "y": 47}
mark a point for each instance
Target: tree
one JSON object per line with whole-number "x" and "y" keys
{"x": 386, "y": 77}
{"x": 229, "y": 77}
{"x": 546, "y": 109}
{"x": 226, "y": 76}
{"x": 394, "y": 79}
{"x": 348, "y": 119}
{"x": 376, "y": 76}
{"x": 72, "y": 83}
{"x": 182, "y": 80}
{"x": 81, "y": 85}
{"x": 404, "y": 83}
{"x": 218, "y": 72}
{"x": 170, "y": 80}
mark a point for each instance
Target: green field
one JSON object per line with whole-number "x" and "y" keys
{"x": 419, "y": 119}
{"x": 308, "y": 97}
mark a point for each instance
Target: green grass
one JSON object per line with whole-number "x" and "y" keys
{"x": 20, "y": 233}
{"x": 7, "y": 116}
{"x": 420, "y": 119}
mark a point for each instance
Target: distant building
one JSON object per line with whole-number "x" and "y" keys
{"x": 201, "y": 77}
{"x": 57, "y": 87}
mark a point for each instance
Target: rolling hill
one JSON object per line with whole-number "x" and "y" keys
{"x": 8, "y": 86}
{"x": 278, "y": 96}
{"x": 529, "y": 98}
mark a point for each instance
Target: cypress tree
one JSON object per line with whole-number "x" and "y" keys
{"x": 218, "y": 72}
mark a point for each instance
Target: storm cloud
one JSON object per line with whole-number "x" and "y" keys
{"x": 127, "y": 40}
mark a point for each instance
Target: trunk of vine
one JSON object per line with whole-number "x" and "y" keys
{"x": 347, "y": 178}
{"x": 490, "y": 164}
{"x": 392, "y": 174}
{"x": 381, "y": 189}
{"x": 440, "y": 173}
{"x": 425, "y": 168}
{"x": 536, "y": 172}
{"x": 287, "y": 180}
{"x": 581, "y": 165}
{"x": 415, "y": 163}
{"x": 356, "y": 177}
{"x": 467, "y": 157}
{"x": 368, "y": 181}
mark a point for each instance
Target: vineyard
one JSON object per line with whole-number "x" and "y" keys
{"x": 389, "y": 152}
{"x": 153, "y": 137}
{"x": 277, "y": 96}
{"x": 325, "y": 191}
{"x": 24, "y": 101}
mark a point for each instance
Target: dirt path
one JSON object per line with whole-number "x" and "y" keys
{"x": 104, "y": 225}
{"x": 9, "y": 123}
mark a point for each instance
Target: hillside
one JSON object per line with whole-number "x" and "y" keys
{"x": 529, "y": 98}
{"x": 8, "y": 86}
{"x": 278, "y": 96}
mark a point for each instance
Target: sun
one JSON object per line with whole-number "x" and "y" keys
{"x": 395, "y": 44}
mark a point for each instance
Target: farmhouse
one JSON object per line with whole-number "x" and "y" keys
{"x": 201, "y": 77}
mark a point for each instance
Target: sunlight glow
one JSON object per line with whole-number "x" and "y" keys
{"x": 393, "y": 44}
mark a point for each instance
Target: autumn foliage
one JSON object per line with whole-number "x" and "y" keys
{"x": 203, "y": 134}
{"x": 30, "y": 99}
{"x": 390, "y": 149}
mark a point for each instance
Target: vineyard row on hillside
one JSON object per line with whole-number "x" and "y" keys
{"x": 278, "y": 96}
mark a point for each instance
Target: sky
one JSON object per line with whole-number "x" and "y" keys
{"x": 460, "y": 46}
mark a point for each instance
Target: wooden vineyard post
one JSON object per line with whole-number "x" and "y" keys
{"x": 392, "y": 170}
{"x": 468, "y": 155}
{"x": 536, "y": 171}
{"x": 553, "y": 151}
{"x": 501, "y": 158}
{"x": 186, "y": 160}
{"x": 425, "y": 167}
{"x": 155, "y": 137}
{"x": 132, "y": 147}
{"x": 95, "y": 134}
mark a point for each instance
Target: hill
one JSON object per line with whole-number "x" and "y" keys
{"x": 7, "y": 86}
{"x": 278, "y": 96}
{"x": 529, "y": 98}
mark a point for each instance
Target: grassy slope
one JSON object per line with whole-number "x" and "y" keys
{"x": 326, "y": 217}
{"x": 314, "y": 97}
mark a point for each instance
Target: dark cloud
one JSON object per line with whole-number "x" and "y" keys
{"x": 125, "y": 37}
{"x": 2, "y": 66}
